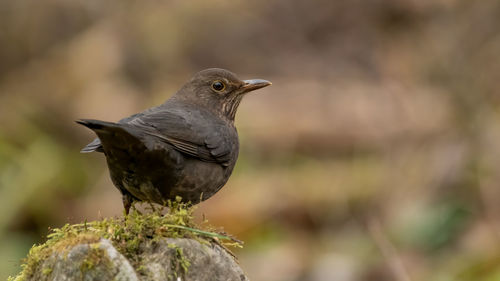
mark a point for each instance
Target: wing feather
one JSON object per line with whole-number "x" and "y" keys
{"x": 189, "y": 133}
{"x": 192, "y": 132}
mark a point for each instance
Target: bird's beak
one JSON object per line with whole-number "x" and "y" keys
{"x": 254, "y": 84}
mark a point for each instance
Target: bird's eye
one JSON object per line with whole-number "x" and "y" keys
{"x": 218, "y": 86}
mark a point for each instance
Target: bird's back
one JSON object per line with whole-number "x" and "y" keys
{"x": 175, "y": 149}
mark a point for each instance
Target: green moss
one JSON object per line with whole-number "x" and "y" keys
{"x": 95, "y": 257}
{"x": 127, "y": 234}
{"x": 46, "y": 271}
{"x": 180, "y": 264}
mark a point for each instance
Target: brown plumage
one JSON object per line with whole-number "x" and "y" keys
{"x": 185, "y": 147}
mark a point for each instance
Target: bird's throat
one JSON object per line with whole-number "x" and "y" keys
{"x": 230, "y": 106}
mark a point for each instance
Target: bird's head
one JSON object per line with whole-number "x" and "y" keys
{"x": 218, "y": 90}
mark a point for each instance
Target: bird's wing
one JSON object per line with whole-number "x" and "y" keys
{"x": 193, "y": 133}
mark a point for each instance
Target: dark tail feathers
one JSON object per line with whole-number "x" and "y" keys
{"x": 96, "y": 124}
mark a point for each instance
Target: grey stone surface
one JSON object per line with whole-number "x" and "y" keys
{"x": 159, "y": 260}
{"x": 207, "y": 261}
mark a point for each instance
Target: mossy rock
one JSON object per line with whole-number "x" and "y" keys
{"x": 154, "y": 246}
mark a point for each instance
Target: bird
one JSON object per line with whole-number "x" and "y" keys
{"x": 186, "y": 147}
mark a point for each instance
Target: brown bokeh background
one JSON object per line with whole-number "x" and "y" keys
{"x": 374, "y": 156}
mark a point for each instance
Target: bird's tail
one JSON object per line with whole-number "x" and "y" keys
{"x": 111, "y": 135}
{"x": 95, "y": 145}
{"x": 95, "y": 125}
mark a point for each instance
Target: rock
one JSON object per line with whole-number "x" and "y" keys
{"x": 153, "y": 246}
{"x": 96, "y": 261}
{"x": 203, "y": 261}
{"x": 166, "y": 259}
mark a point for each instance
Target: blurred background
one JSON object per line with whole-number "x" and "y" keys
{"x": 373, "y": 156}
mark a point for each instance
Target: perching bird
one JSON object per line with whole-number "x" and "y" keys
{"x": 185, "y": 147}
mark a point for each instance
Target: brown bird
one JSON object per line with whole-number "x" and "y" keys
{"x": 185, "y": 147}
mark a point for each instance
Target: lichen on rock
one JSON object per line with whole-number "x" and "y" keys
{"x": 151, "y": 246}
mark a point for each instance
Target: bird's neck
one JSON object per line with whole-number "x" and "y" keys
{"x": 226, "y": 113}
{"x": 225, "y": 110}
